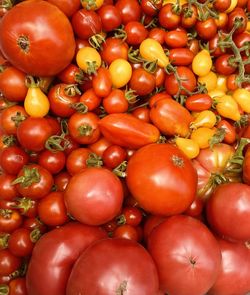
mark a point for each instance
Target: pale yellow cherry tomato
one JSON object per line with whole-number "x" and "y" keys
{"x": 188, "y": 146}
{"x": 202, "y": 136}
{"x": 202, "y": 63}
{"x": 36, "y": 103}
{"x": 204, "y": 119}
{"x": 227, "y": 107}
{"x": 91, "y": 4}
{"x": 232, "y": 6}
{"x": 242, "y": 97}
{"x": 151, "y": 50}
{"x": 209, "y": 80}
{"x": 222, "y": 83}
{"x": 216, "y": 93}
{"x": 120, "y": 71}
{"x": 88, "y": 59}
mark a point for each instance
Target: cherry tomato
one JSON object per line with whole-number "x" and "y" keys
{"x": 7, "y": 190}
{"x": 110, "y": 17}
{"x": 54, "y": 162}
{"x": 17, "y": 286}
{"x": 102, "y": 82}
{"x": 126, "y": 231}
{"x": 142, "y": 82}
{"x": 8, "y": 262}
{"x": 19, "y": 242}
{"x": 206, "y": 29}
{"x": 198, "y": 102}
{"x": 176, "y": 39}
{"x": 130, "y": 10}
{"x": 135, "y": 32}
{"x": 113, "y": 156}
{"x": 181, "y": 56}
{"x": 90, "y": 99}
{"x": 10, "y": 220}
{"x": 168, "y": 19}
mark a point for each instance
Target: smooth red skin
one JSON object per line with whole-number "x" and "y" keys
{"x": 90, "y": 99}
{"x": 68, "y": 75}
{"x": 130, "y": 10}
{"x": 170, "y": 117}
{"x": 214, "y": 47}
{"x": 230, "y": 135}
{"x": 198, "y": 102}
{"x": 54, "y": 162}
{"x": 173, "y": 244}
{"x": 237, "y": 13}
{"x": 233, "y": 278}
{"x": 61, "y": 180}
{"x": 18, "y": 287}
{"x": 113, "y": 49}
{"x": 206, "y": 29}
{"x": 126, "y": 231}
{"x": 7, "y": 124}
{"x": 9, "y": 224}
{"x": 233, "y": 199}
{"x": 181, "y": 56}
{"x": 7, "y": 190}
{"x": 167, "y": 18}
{"x": 151, "y": 8}
{"x": 113, "y": 156}
{"x": 32, "y": 133}
{"x": 194, "y": 46}
{"x": 141, "y": 113}
{"x": 176, "y": 39}
{"x": 100, "y": 146}
{"x": 110, "y": 17}
{"x": 246, "y": 167}
{"x": 60, "y": 102}
{"x": 240, "y": 39}
{"x": 101, "y": 187}
{"x": 49, "y": 35}
{"x": 12, "y": 159}
{"x": 36, "y": 190}
{"x": 86, "y": 23}
{"x": 8, "y": 262}
{"x": 19, "y": 242}
{"x": 142, "y": 82}
{"x": 158, "y": 96}
{"x": 12, "y": 84}
{"x": 221, "y": 5}
{"x": 189, "y": 22}
{"x": 113, "y": 262}
{"x": 102, "y": 83}
{"x": 157, "y": 34}
{"x": 132, "y": 215}
{"x": 222, "y": 66}
{"x": 127, "y": 131}
{"x": 68, "y": 7}
{"x": 115, "y": 102}
{"x": 150, "y": 223}
{"x": 196, "y": 208}
{"x": 76, "y": 160}
{"x": 136, "y": 33}
{"x": 52, "y": 210}
{"x": 159, "y": 186}
{"x": 57, "y": 251}
{"x": 32, "y": 223}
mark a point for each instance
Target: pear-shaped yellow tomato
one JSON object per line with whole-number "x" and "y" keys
{"x": 91, "y": 4}
{"x": 227, "y": 107}
{"x": 121, "y": 72}
{"x": 222, "y": 83}
{"x": 242, "y": 97}
{"x": 209, "y": 80}
{"x": 204, "y": 119}
{"x": 151, "y": 50}
{"x": 202, "y": 136}
{"x": 216, "y": 93}
{"x": 232, "y": 6}
{"x": 88, "y": 59}
{"x": 36, "y": 103}
{"x": 188, "y": 146}
{"x": 202, "y": 63}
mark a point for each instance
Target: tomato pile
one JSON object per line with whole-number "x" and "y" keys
{"x": 124, "y": 147}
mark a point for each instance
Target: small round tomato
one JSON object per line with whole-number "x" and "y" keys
{"x": 237, "y": 15}
{"x": 7, "y": 190}
{"x": 168, "y": 19}
{"x": 142, "y": 82}
{"x": 135, "y": 33}
{"x": 198, "y": 102}
{"x": 61, "y": 180}
{"x": 77, "y": 160}
{"x": 8, "y": 262}
{"x": 126, "y": 231}
{"x": 223, "y": 66}
{"x": 102, "y": 82}
{"x": 88, "y": 59}
{"x": 189, "y": 16}
{"x": 206, "y": 29}
{"x": 52, "y": 161}
{"x": 110, "y": 17}
{"x": 181, "y": 56}
{"x": 176, "y": 38}
{"x": 10, "y": 220}
{"x": 121, "y": 72}
{"x": 90, "y": 99}
{"x": 19, "y": 242}
{"x": 129, "y": 10}
{"x": 116, "y": 102}
{"x": 130, "y": 215}
{"x": 17, "y": 286}
{"x": 113, "y": 156}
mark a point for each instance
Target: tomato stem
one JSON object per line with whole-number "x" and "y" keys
{"x": 24, "y": 43}
{"x": 4, "y": 237}
{"x": 85, "y": 130}
{"x": 56, "y": 143}
{"x": 4, "y": 289}
{"x": 35, "y": 235}
{"x": 89, "y": 4}
{"x": 18, "y": 118}
{"x": 9, "y": 140}
{"x": 96, "y": 41}
{"x": 72, "y": 90}
{"x": 80, "y": 107}
{"x": 120, "y": 170}
{"x": 31, "y": 175}
{"x": 94, "y": 160}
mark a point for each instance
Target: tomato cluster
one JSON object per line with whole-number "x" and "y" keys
{"x": 124, "y": 147}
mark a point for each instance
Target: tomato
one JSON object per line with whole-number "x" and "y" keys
{"x": 110, "y": 17}
{"x": 8, "y": 262}
{"x": 202, "y": 63}
{"x": 142, "y": 82}
{"x": 126, "y": 231}
{"x": 61, "y": 180}
{"x": 52, "y": 210}
{"x": 231, "y": 82}
{"x": 90, "y": 99}
{"x": 92, "y": 5}
{"x": 57, "y": 251}
{"x": 157, "y": 34}
{"x": 188, "y": 146}
{"x": 227, "y": 107}
{"x": 113, "y": 49}
{"x": 130, "y": 215}
{"x": 102, "y": 82}
{"x": 221, "y": 5}
{"x": 237, "y": 14}
{"x": 196, "y": 208}
{"x": 113, "y": 156}
{"x": 35, "y": 42}
{"x": 17, "y": 286}
{"x": 33, "y": 181}
{"x": 88, "y": 59}
{"x": 77, "y": 160}
{"x": 198, "y": 102}
{"x": 222, "y": 65}
{"x": 12, "y": 159}
{"x": 168, "y": 19}
{"x": 165, "y": 115}
{"x": 19, "y": 242}
{"x": 182, "y": 244}
{"x": 169, "y": 162}
{"x": 54, "y": 162}
{"x": 130, "y": 10}
{"x": 10, "y": 220}
{"x": 100, "y": 146}
{"x": 83, "y": 128}
{"x": 176, "y": 38}
{"x": 181, "y": 56}
{"x": 233, "y": 277}
{"x": 117, "y": 266}
{"x": 135, "y": 33}
{"x": 12, "y": 84}
{"x": 206, "y": 29}
{"x": 151, "y": 221}
{"x": 141, "y": 113}
{"x": 242, "y": 97}
{"x": 7, "y": 190}
{"x": 127, "y": 131}
{"x": 189, "y": 16}
{"x": 202, "y": 136}
{"x": 230, "y": 131}
{"x": 120, "y": 71}
{"x": 232, "y": 223}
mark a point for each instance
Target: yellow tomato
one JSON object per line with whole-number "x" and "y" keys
{"x": 227, "y": 107}
{"x": 222, "y": 83}
{"x": 216, "y": 93}
{"x": 188, "y": 146}
{"x": 120, "y": 71}
{"x": 232, "y": 6}
{"x": 36, "y": 103}
{"x": 242, "y": 97}
{"x": 202, "y": 136}
{"x": 204, "y": 119}
{"x": 88, "y": 59}
{"x": 151, "y": 50}
{"x": 202, "y": 63}
{"x": 209, "y": 80}
{"x": 182, "y": 2}
{"x": 248, "y": 26}
{"x": 92, "y": 4}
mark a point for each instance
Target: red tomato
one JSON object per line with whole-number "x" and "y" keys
{"x": 113, "y": 49}
{"x": 126, "y": 231}
{"x": 8, "y": 262}
{"x": 135, "y": 33}
{"x": 182, "y": 244}
{"x": 19, "y": 242}
{"x": 222, "y": 65}
{"x": 150, "y": 7}
{"x": 157, "y": 34}
{"x": 246, "y": 167}
{"x": 206, "y": 29}
{"x": 236, "y": 14}
{"x": 198, "y": 102}
{"x": 148, "y": 168}
{"x": 189, "y": 16}
{"x": 102, "y": 83}
{"x": 54, "y": 161}
{"x": 130, "y": 215}
{"x": 100, "y": 146}
{"x": 116, "y": 102}
{"x": 57, "y": 251}
{"x": 230, "y": 131}
{"x": 100, "y": 186}
{"x": 130, "y": 10}
{"x": 176, "y": 38}
{"x": 168, "y": 19}
{"x": 118, "y": 266}
{"x": 233, "y": 199}
{"x": 110, "y": 17}
{"x": 17, "y": 286}
{"x": 142, "y": 82}
{"x": 10, "y": 220}
{"x": 181, "y": 56}
{"x": 68, "y": 7}
{"x": 113, "y": 156}
{"x": 141, "y": 113}
{"x": 61, "y": 180}
{"x": 77, "y": 160}
{"x": 90, "y": 99}
{"x": 7, "y": 190}
{"x": 33, "y": 42}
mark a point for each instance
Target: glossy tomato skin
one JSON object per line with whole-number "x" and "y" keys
{"x": 130, "y": 10}
{"x": 101, "y": 186}
{"x": 182, "y": 244}
{"x": 181, "y": 56}
{"x": 110, "y": 17}
{"x": 117, "y": 264}
{"x": 167, "y": 18}
{"x": 57, "y": 251}
{"x": 162, "y": 171}
{"x": 68, "y": 7}
{"x": 246, "y": 167}
{"x": 8, "y": 262}
{"x": 18, "y": 286}
{"x": 113, "y": 49}
{"x": 42, "y": 32}
{"x": 54, "y": 162}
{"x": 7, "y": 190}
{"x": 19, "y": 242}
{"x": 142, "y": 82}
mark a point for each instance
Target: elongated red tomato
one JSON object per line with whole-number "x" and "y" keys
{"x": 162, "y": 179}
{"x": 128, "y": 131}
